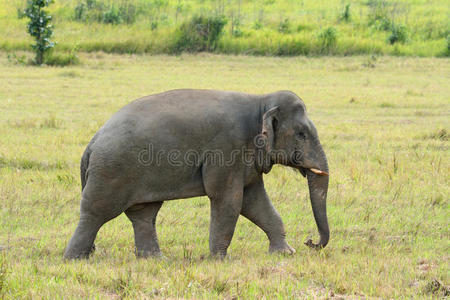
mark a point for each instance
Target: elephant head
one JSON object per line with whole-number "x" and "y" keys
{"x": 292, "y": 140}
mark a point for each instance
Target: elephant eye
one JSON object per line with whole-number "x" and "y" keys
{"x": 300, "y": 135}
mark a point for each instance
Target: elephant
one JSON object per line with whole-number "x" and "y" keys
{"x": 188, "y": 143}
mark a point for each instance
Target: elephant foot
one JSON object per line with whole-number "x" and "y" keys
{"x": 149, "y": 253}
{"x": 218, "y": 254}
{"x": 282, "y": 249}
{"x": 80, "y": 255}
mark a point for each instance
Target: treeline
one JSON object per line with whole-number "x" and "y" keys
{"x": 246, "y": 27}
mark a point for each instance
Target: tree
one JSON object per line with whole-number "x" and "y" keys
{"x": 39, "y": 27}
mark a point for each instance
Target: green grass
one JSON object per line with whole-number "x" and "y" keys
{"x": 263, "y": 27}
{"x": 383, "y": 125}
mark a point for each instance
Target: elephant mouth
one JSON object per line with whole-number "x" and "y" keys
{"x": 297, "y": 160}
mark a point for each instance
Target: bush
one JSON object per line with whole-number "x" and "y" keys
{"x": 39, "y": 27}
{"x": 448, "y": 44}
{"x": 379, "y": 14}
{"x": 257, "y": 25}
{"x": 92, "y": 10}
{"x": 115, "y": 13}
{"x": 20, "y": 13}
{"x": 198, "y": 34}
{"x": 303, "y": 27}
{"x": 17, "y": 60}
{"x": 236, "y": 28}
{"x": 128, "y": 12}
{"x": 382, "y": 24}
{"x": 346, "y": 15}
{"x": 284, "y": 26}
{"x": 328, "y": 39}
{"x": 399, "y": 33}
{"x": 63, "y": 59}
{"x": 112, "y": 16}
{"x": 80, "y": 12}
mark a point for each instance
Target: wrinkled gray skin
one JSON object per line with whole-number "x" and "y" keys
{"x": 115, "y": 179}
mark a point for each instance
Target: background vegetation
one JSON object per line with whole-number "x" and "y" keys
{"x": 39, "y": 28}
{"x": 384, "y": 124}
{"x": 383, "y": 121}
{"x": 259, "y": 27}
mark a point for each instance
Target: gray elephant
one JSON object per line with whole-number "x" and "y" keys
{"x": 189, "y": 143}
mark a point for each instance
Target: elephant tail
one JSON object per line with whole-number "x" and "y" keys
{"x": 85, "y": 162}
{"x": 84, "y": 166}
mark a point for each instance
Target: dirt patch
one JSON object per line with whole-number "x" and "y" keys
{"x": 424, "y": 266}
{"x": 437, "y": 288}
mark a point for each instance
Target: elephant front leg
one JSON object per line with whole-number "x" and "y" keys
{"x": 257, "y": 208}
{"x": 225, "y": 193}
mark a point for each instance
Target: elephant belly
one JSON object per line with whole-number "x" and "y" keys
{"x": 121, "y": 179}
{"x": 159, "y": 184}
{"x": 174, "y": 190}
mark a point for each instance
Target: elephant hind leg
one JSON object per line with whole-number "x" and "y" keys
{"x": 143, "y": 218}
{"x": 81, "y": 245}
{"x": 93, "y": 214}
{"x": 224, "y": 190}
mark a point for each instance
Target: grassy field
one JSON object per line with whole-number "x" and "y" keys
{"x": 261, "y": 27}
{"x": 384, "y": 125}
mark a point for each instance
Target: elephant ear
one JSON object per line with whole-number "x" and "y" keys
{"x": 269, "y": 136}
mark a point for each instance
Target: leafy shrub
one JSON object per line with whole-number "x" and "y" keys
{"x": 39, "y": 27}
{"x": 112, "y": 16}
{"x": 128, "y": 12}
{"x": 399, "y": 33}
{"x": 63, "y": 59}
{"x": 199, "y": 34}
{"x": 17, "y": 60}
{"x": 98, "y": 11}
{"x": 164, "y": 18}
{"x": 448, "y": 44}
{"x": 20, "y": 13}
{"x": 379, "y": 14}
{"x": 237, "y": 32}
{"x": 433, "y": 31}
{"x": 284, "y": 26}
{"x": 80, "y": 12}
{"x": 377, "y": 9}
{"x": 236, "y": 28}
{"x": 346, "y": 15}
{"x": 302, "y": 27}
{"x": 384, "y": 24}
{"x": 328, "y": 39}
{"x": 257, "y": 25}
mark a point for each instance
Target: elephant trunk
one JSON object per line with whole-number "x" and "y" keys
{"x": 318, "y": 188}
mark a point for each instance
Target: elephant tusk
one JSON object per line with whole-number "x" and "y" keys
{"x": 319, "y": 172}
